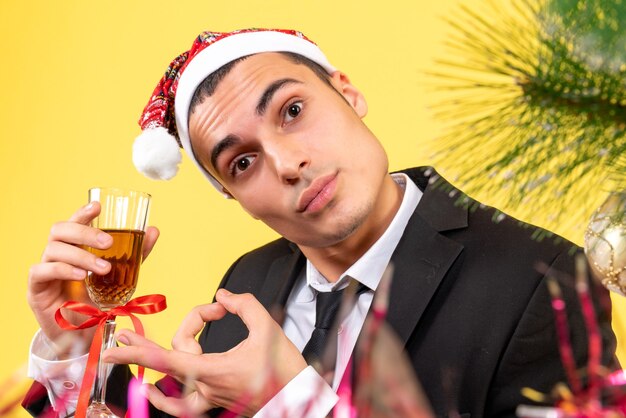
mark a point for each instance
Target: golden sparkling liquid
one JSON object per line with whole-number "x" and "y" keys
{"x": 116, "y": 287}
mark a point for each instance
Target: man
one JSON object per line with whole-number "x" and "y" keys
{"x": 274, "y": 126}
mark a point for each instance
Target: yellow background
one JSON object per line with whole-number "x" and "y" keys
{"x": 74, "y": 78}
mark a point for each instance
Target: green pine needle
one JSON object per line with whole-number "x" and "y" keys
{"x": 536, "y": 104}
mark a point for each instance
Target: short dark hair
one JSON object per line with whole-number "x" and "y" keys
{"x": 207, "y": 87}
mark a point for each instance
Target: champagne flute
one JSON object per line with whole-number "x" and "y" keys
{"x": 123, "y": 215}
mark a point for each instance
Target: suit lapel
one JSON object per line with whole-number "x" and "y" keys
{"x": 423, "y": 257}
{"x": 420, "y": 263}
{"x": 281, "y": 278}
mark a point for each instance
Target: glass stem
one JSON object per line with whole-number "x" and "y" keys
{"x": 100, "y": 385}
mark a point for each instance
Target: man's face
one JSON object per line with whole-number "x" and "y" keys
{"x": 290, "y": 149}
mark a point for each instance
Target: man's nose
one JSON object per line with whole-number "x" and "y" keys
{"x": 288, "y": 159}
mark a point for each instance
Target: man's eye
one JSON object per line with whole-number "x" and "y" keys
{"x": 292, "y": 111}
{"x": 241, "y": 164}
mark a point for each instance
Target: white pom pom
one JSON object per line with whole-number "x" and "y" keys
{"x": 156, "y": 154}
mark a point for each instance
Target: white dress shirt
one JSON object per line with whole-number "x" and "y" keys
{"x": 308, "y": 394}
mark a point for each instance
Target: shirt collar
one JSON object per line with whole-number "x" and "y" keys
{"x": 369, "y": 269}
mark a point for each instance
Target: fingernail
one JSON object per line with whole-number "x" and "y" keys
{"x": 224, "y": 292}
{"x": 122, "y": 339}
{"x": 89, "y": 206}
{"x": 103, "y": 238}
{"x": 102, "y": 263}
{"x": 79, "y": 273}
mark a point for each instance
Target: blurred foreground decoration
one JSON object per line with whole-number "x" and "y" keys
{"x": 593, "y": 391}
{"x": 379, "y": 380}
{"x": 535, "y": 98}
{"x": 386, "y": 384}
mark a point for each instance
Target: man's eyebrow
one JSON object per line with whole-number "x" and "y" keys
{"x": 266, "y": 97}
{"x": 269, "y": 93}
{"x": 221, "y": 146}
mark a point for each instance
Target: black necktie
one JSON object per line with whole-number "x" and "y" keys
{"x": 326, "y": 308}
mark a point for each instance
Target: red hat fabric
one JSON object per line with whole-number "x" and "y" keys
{"x": 164, "y": 119}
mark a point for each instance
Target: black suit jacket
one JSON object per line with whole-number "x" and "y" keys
{"x": 467, "y": 300}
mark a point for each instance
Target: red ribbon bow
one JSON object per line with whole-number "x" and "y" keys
{"x": 146, "y": 305}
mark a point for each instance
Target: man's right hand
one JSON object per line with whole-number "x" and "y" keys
{"x": 60, "y": 275}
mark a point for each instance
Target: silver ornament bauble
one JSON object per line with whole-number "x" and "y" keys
{"x": 605, "y": 243}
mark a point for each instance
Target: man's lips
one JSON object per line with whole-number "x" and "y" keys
{"x": 318, "y": 194}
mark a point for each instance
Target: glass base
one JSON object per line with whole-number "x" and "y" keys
{"x": 99, "y": 410}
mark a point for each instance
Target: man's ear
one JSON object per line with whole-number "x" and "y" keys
{"x": 353, "y": 96}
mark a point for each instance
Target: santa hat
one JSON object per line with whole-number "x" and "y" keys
{"x": 156, "y": 151}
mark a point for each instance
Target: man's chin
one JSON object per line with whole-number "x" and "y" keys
{"x": 333, "y": 235}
